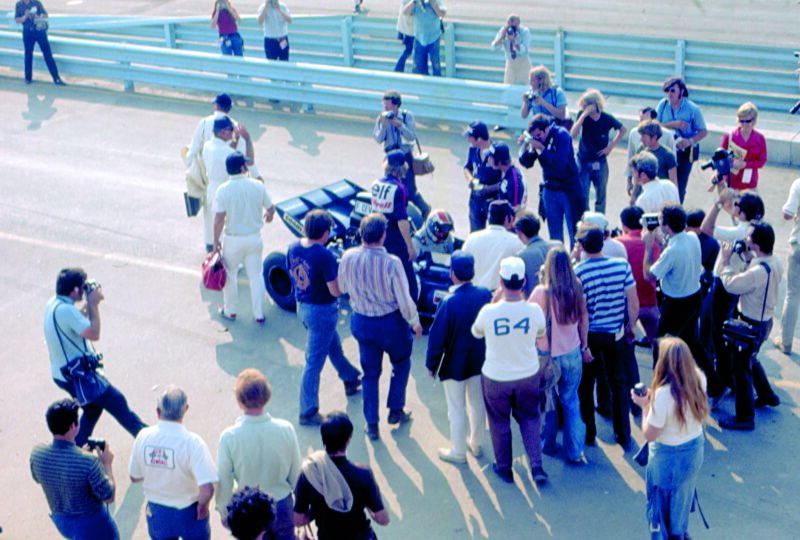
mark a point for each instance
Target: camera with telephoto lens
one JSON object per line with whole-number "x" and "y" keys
{"x": 93, "y": 443}
{"x": 739, "y": 247}
{"x": 640, "y": 389}
{"x": 89, "y": 286}
{"x": 649, "y": 221}
{"x": 721, "y": 161}
{"x": 511, "y": 31}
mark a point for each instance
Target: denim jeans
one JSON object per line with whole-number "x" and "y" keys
{"x": 421, "y": 55}
{"x": 273, "y": 50}
{"x": 112, "y": 401}
{"x": 282, "y": 527}
{"x": 522, "y": 400}
{"x": 557, "y": 208}
{"x": 167, "y": 523}
{"x": 671, "y": 480}
{"x": 97, "y": 526}
{"x": 574, "y": 429}
{"x": 597, "y": 177}
{"x": 232, "y": 44}
{"x": 408, "y": 49}
{"x": 29, "y": 40}
{"x": 323, "y": 341}
{"x": 388, "y": 334}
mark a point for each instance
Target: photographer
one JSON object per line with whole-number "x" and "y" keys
{"x": 66, "y": 330}
{"x": 543, "y": 97}
{"x": 32, "y": 15}
{"x": 275, "y": 18}
{"x": 78, "y": 485}
{"x": 428, "y": 29}
{"x": 225, "y": 18}
{"x": 395, "y": 129}
{"x": 516, "y": 40}
{"x": 757, "y": 287}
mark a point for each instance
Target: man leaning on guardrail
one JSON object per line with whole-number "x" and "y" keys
{"x": 32, "y": 15}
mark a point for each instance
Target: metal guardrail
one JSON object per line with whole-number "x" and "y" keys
{"x": 724, "y": 74}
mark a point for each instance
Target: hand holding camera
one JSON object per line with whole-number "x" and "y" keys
{"x": 640, "y": 395}
{"x": 93, "y": 292}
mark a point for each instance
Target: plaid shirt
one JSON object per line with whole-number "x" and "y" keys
{"x": 376, "y": 283}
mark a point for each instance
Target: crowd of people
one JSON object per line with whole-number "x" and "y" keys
{"x": 539, "y": 330}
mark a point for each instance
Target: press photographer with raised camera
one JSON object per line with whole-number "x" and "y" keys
{"x": 515, "y": 41}
{"x": 543, "y": 97}
{"x": 757, "y": 286}
{"x": 73, "y": 362}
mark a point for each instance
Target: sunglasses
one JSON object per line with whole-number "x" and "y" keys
{"x": 672, "y": 90}
{"x": 746, "y": 120}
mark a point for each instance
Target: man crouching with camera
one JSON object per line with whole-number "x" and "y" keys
{"x": 74, "y": 363}
{"x": 757, "y": 286}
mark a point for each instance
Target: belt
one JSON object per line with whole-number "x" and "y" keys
{"x": 229, "y": 35}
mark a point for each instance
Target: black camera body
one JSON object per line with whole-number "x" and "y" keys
{"x": 640, "y": 389}
{"x": 721, "y": 161}
{"x": 92, "y": 443}
{"x": 89, "y": 286}
{"x": 390, "y": 115}
{"x": 511, "y": 31}
{"x": 532, "y": 94}
{"x": 739, "y": 247}
{"x": 649, "y": 221}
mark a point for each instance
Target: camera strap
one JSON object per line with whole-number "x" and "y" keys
{"x": 766, "y": 292}
{"x": 87, "y": 347}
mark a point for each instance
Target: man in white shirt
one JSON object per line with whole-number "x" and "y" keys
{"x": 177, "y": 472}
{"x": 655, "y": 191}
{"x": 239, "y": 206}
{"x": 275, "y": 19}
{"x": 791, "y": 212}
{"x": 515, "y": 40}
{"x": 259, "y": 450}
{"x": 491, "y": 245}
{"x": 215, "y": 151}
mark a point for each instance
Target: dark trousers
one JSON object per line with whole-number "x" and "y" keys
{"x": 679, "y": 318}
{"x": 410, "y": 183}
{"x": 273, "y": 50}
{"x": 112, "y": 401}
{"x": 478, "y": 212}
{"x": 608, "y": 355}
{"x": 717, "y": 308}
{"x": 29, "y": 39}
{"x": 684, "y": 159}
{"x": 408, "y": 49}
{"x": 748, "y": 373}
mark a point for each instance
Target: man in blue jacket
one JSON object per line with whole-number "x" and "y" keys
{"x": 460, "y": 369}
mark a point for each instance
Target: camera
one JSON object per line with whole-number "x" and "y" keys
{"x": 93, "y": 443}
{"x": 739, "y": 247}
{"x": 532, "y": 94}
{"x": 390, "y": 115}
{"x": 721, "y": 161}
{"x": 89, "y": 286}
{"x": 511, "y": 31}
{"x": 640, "y": 389}
{"x": 649, "y": 221}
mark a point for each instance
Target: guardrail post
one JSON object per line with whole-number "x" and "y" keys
{"x": 450, "y": 50}
{"x": 680, "y": 57}
{"x": 127, "y": 85}
{"x": 169, "y": 35}
{"x": 558, "y": 58}
{"x": 347, "y": 41}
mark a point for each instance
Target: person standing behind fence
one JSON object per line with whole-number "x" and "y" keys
{"x": 684, "y": 117}
{"x": 543, "y": 97}
{"x": 594, "y": 125}
{"x": 428, "y": 29}
{"x": 675, "y": 409}
{"x": 274, "y": 16}
{"x": 225, "y": 18}
{"x": 32, "y": 15}
{"x": 405, "y": 33}
{"x": 515, "y": 40}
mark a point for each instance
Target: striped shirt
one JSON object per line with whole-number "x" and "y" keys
{"x": 604, "y": 284}
{"x": 73, "y": 481}
{"x": 376, "y": 283}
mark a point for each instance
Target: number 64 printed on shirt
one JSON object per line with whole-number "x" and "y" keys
{"x": 503, "y": 326}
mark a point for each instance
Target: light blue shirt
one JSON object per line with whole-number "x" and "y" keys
{"x": 71, "y": 323}
{"x": 679, "y": 266}
{"x": 555, "y": 96}
{"x": 523, "y": 40}
{"x": 689, "y": 112}
{"x": 427, "y": 25}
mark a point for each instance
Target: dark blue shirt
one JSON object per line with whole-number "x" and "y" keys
{"x": 22, "y": 7}
{"x": 312, "y": 268}
{"x": 480, "y": 169}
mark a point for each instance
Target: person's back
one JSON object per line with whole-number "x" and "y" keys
{"x": 604, "y": 282}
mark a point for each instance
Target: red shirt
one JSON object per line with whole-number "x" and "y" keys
{"x": 634, "y": 245}
{"x": 755, "y": 158}
{"x": 226, "y": 24}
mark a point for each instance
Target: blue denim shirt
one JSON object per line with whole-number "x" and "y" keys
{"x": 689, "y": 112}
{"x": 427, "y": 25}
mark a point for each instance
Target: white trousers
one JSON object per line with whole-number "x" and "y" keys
{"x": 517, "y": 70}
{"x": 235, "y": 251}
{"x": 208, "y": 213}
{"x": 458, "y": 393}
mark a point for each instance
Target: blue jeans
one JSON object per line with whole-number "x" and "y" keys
{"x": 671, "y": 480}
{"x": 408, "y": 49}
{"x": 29, "y": 40}
{"x": 421, "y": 55}
{"x": 574, "y": 429}
{"x": 112, "y": 401}
{"x": 232, "y": 44}
{"x": 167, "y": 523}
{"x": 323, "y": 340}
{"x": 388, "y": 334}
{"x": 97, "y": 526}
{"x": 595, "y": 173}
{"x": 557, "y": 208}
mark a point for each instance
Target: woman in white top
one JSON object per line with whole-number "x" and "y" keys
{"x": 676, "y": 407}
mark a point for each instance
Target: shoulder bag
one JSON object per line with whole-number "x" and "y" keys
{"x": 81, "y": 371}
{"x": 739, "y": 334}
{"x": 422, "y": 163}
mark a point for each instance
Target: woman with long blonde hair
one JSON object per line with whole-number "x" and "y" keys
{"x": 675, "y": 409}
{"x": 560, "y": 296}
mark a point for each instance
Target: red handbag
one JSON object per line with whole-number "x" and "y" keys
{"x": 214, "y": 275}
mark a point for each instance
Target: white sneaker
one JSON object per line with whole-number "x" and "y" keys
{"x": 476, "y": 450}
{"x": 446, "y": 454}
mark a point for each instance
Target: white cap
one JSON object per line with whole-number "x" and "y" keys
{"x": 595, "y": 218}
{"x": 512, "y": 268}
